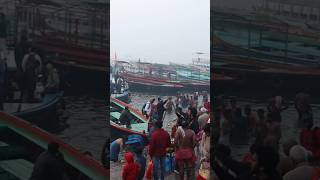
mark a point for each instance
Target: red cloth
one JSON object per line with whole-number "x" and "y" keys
{"x": 200, "y": 178}
{"x": 160, "y": 141}
{"x": 316, "y": 174}
{"x": 131, "y": 169}
{"x": 306, "y": 139}
{"x": 185, "y": 155}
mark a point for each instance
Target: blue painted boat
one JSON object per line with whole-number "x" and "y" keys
{"x": 44, "y": 113}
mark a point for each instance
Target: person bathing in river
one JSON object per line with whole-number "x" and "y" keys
{"x": 185, "y": 141}
{"x": 147, "y": 109}
{"x": 116, "y": 147}
{"x": 125, "y": 117}
{"x": 53, "y": 81}
{"x": 169, "y": 105}
{"x": 160, "y": 108}
{"x": 276, "y": 106}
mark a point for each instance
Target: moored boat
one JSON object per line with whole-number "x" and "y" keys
{"x": 139, "y": 124}
{"x": 124, "y": 96}
{"x": 151, "y": 84}
{"x": 21, "y": 143}
{"x": 43, "y": 113}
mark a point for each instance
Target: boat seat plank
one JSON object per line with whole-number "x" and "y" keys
{"x": 140, "y": 127}
{"x": 12, "y": 152}
{"x": 20, "y": 168}
{"x": 115, "y": 115}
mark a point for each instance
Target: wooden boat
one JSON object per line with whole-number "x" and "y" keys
{"x": 82, "y": 67}
{"x": 124, "y": 97}
{"x": 21, "y": 143}
{"x": 43, "y": 113}
{"x": 139, "y": 124}
{"x": 150, "y": 84}
{"x": 80, "y": 55}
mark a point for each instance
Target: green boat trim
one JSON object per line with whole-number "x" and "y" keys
{"x": 73, "y": 157}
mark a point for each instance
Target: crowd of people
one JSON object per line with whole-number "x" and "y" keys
{"x": 33, "y": 75}
{"x": 271, "y": 156}
{"x": 188, "y": 143}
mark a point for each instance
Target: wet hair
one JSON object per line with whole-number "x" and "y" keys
{"x": 288, "y": 144}
{"x": 53, "y": 147}
{"x": 158, "y": 124}
{"x": 184, "y": 123}
{"x": 138, "y": 150}
{"x": 125, "y": 138}
{"x": 194, "y": 111}
{"x": 207, "y": 128}
{"x": 267, "y": 158}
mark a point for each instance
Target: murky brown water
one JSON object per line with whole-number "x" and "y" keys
{"x": 86, "y": 125}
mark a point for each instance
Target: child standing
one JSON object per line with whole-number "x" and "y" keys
{"x": 131, "y": 169}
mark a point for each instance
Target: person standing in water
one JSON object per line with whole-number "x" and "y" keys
{"x": 125, "y": 117}
{"x": 160, "y": 141}
{"x": 185, "y": 141}
{"x": 116, "y": 147}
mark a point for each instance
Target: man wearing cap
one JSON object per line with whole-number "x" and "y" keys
{"x": 203, "y": 117}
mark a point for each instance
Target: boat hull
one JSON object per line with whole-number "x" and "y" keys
{"x": 25, "y": 142}
{"x": 120, "y": 131}
{"x": 124, "y": 97}
{"x": 46, "y": 115}
{"x": 153, "y": 88}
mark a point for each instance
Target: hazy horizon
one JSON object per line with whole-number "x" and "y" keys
{"x": 159, "y": 31}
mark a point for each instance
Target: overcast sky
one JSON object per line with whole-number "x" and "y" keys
{"x": 159, "y": 31}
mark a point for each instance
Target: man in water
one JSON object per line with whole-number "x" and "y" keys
{"x": 160, "y": 108}
{"x": 53, "y": 81}
{"x": 49, "y": 165}
{"x": 125, "y": 117}
{"x": 303, "y": 107}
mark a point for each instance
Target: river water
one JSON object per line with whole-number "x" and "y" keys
{"x": 139, "y": 99}
{"x": 84, "y": 124}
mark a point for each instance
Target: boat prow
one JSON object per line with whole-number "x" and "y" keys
{"x": 22, "y": 142}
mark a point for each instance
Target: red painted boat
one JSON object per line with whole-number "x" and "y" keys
{"x": 151, "y": 84}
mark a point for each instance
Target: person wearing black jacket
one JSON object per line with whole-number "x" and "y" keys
{"x": 160, "y": 108}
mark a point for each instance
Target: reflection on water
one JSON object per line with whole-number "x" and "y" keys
{"x": 85, "y": 126}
